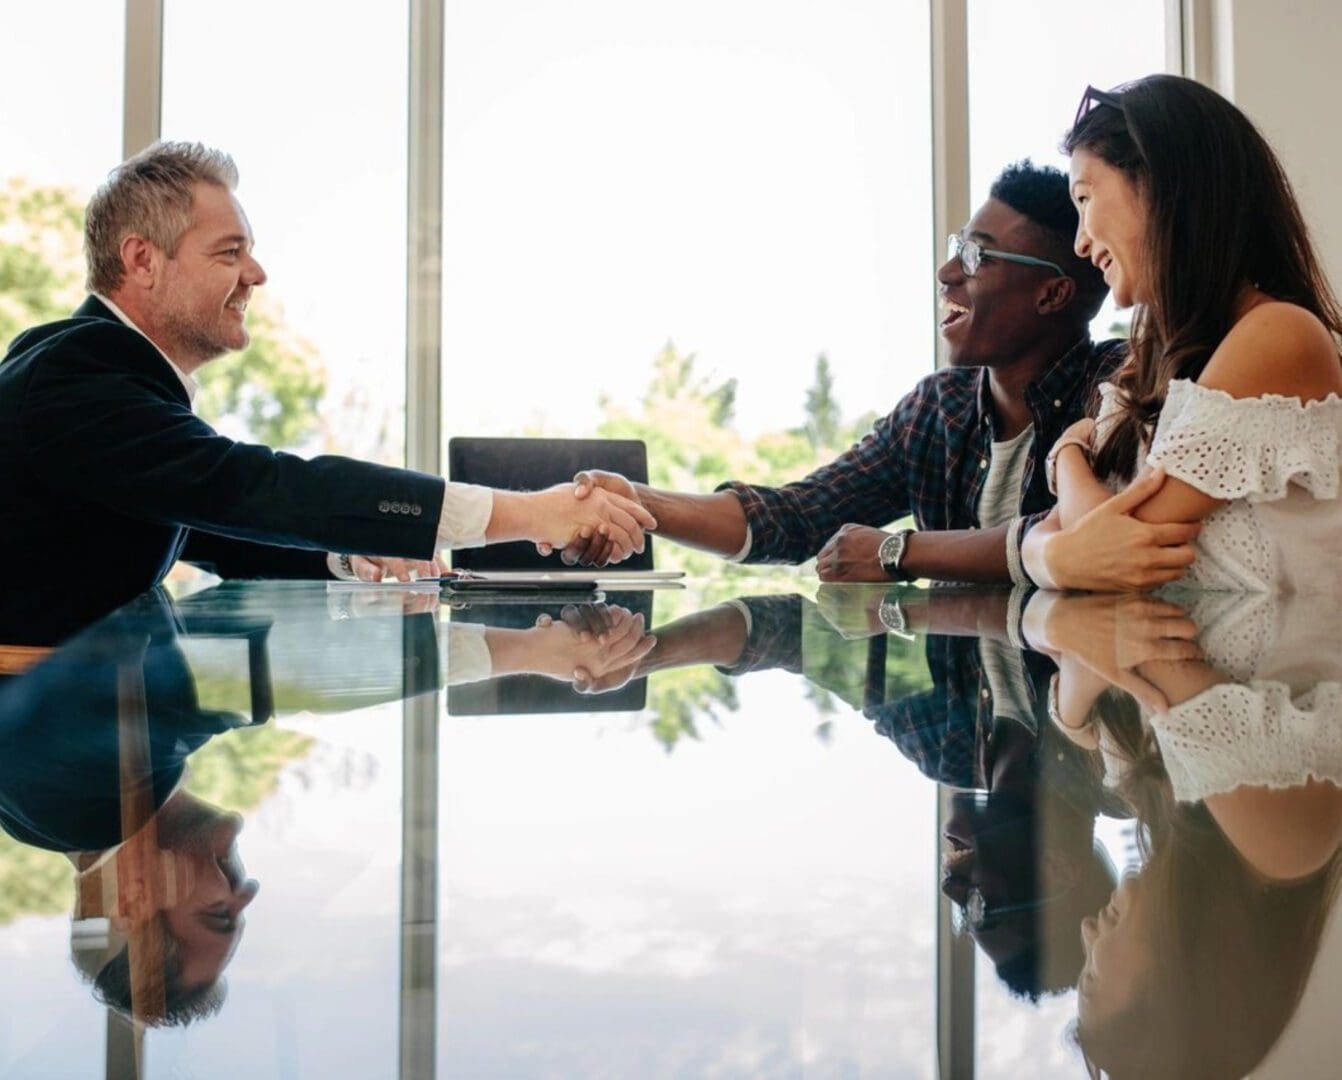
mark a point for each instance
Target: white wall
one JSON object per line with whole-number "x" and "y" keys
{"x": 1278, "y": 60}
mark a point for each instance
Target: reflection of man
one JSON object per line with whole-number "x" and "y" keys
{"x": 963, "y": 453}
{"x": 100, "y": 449}
{"x": 1020, "y": 857}
{"x": 96, "y": 747}
{"x": 158, "y": 918}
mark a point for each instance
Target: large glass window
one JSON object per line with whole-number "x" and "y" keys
{"x": 1027, "y": 72}
{"x": 313, "y": 108}
{"x": 60, "y": 131}
{"x": 1028, "y": 67}
{"x": 675, "y": 223}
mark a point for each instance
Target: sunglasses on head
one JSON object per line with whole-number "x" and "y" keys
{"x": 1094, "y": 99}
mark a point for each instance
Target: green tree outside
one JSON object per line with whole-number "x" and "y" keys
{"x": 271, "y": 393}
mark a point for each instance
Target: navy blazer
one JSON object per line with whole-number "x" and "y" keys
{"x": 106, "y": 472}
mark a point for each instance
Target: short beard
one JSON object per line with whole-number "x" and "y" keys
{"x": 194, "y": 342}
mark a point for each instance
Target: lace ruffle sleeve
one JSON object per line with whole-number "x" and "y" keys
{"x": 1248, "y": 448}
{"x": 1235, "y": 734}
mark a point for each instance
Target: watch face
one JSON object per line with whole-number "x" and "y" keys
{"x": 892, "y": 547}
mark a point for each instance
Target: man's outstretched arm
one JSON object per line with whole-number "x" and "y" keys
{"x": 788, "y": 524}
{"x": 714, "y": 523}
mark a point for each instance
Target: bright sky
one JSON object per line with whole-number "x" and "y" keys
{"x": 748, "y": 179}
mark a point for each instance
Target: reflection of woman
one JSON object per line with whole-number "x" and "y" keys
{"x": 1197, "y": 963}
{"x": 1233, "y": 375}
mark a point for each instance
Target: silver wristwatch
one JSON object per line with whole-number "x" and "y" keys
{"x": 891, "y": 553}
{"x": 892, "y": 617}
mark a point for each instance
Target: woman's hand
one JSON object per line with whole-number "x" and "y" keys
{"x": 1109, "y": 549}
{"x": 1102, "y": 640}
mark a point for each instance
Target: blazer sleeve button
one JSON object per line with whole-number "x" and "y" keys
{"x": 384, "y": 507}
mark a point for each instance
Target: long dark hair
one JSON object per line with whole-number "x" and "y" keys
{"x": 1222, "y": 215}
{"x": 1232, "y": 951}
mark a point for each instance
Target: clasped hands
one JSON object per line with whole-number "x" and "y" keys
{"x": 595, "y": 646}
{"x": 592, "y": 545}
{"x": 597, "y": 522}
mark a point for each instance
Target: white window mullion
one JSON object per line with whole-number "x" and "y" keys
{"x": 142, "y": 104}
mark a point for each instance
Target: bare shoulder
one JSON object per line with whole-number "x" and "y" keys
{"x": 1276, "y": 348}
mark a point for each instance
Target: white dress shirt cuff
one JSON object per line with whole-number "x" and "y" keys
{"x": 1015, "y": 566}
{"x": 741, "y": 555}
{"x": 467, "y": 509}
{"x": 468, "y": 658}
{"x": 744, "y": 611}
{"x": 340, "y": 567}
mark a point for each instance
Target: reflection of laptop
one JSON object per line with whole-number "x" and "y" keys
{"x": 601, "y": 576}
{"x": 531, "y": 464}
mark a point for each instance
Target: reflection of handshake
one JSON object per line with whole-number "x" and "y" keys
{"x": 595, "y": 546}
{"x": 595, "y": 646}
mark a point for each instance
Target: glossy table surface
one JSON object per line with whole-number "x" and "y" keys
{"x": 747, "y": 827}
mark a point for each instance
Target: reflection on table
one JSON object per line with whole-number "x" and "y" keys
{"x": 1194, "y": 740}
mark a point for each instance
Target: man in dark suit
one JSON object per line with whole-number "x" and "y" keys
{"x": 100, "y": 452}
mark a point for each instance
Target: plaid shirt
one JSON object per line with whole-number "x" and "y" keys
{"x": 928, "y": 458}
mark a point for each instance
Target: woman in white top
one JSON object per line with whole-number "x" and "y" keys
{"x": 1231, "y": 387}
{"x": 1229, "y": 753}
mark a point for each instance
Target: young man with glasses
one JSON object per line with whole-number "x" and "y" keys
{"x": 963, "y": 453}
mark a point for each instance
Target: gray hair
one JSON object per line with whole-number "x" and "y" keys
{"x": 148, "y": 195}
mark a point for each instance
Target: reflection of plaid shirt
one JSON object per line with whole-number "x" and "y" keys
{"x": 939, "y": 730}
{"x": 929, "y": 458}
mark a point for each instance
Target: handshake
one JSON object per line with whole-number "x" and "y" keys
{"x": 609, "y": 526}
{"x": 594, "y": 520}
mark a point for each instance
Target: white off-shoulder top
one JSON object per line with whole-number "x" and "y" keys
{"x": 1275, "y": 461}
{"x": 1279, "y": 722}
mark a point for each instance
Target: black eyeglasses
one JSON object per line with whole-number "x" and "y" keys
{"x": 977, "y": 915}
{"x": 1094, "y": 99}
{"x": 971, "y": 255}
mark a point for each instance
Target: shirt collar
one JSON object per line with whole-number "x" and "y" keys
{"x": 1069, "y": 371}
{"x": 1058, "y": 383}
{"x": 187, "y": 381}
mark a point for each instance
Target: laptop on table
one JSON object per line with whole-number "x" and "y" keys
{"x": 532, "y": 464}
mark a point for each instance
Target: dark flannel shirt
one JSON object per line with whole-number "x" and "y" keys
{"x": 941, "y": 729}
{"x": 928, "y": 458}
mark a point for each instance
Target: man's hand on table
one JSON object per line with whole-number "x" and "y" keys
{"x": 367, "y": 568}
{"x": 372, "y": 568}
{"x": 853, "y": 610}
{"x": 852, "y": 554}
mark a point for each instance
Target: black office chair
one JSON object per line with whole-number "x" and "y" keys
{"x": 532, "y": 464}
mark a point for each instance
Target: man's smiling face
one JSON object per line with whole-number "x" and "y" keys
{"x": 994, "y": 315}
{"x": 206, "y": 284}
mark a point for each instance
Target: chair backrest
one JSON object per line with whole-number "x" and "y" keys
{"x": 531, "y": 464}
